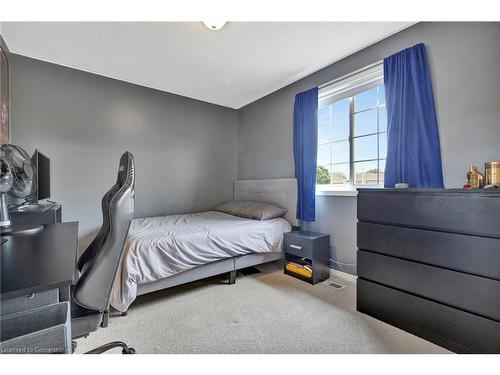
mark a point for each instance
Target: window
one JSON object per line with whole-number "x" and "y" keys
{"x": 352, "y": 131}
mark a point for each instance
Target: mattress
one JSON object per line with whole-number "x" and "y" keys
{"x": 164, "y": 246}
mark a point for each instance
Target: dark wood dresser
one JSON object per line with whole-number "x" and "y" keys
{"x": 429, "y": 263}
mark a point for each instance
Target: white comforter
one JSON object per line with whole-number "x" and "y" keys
{"x": 159, "y": 247}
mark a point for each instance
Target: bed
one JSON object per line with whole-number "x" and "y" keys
{"x": 162, "y": 252}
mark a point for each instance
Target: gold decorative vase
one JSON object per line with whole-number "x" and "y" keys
{"x": 492, "y": 173}
{"x": 474, "y": 179}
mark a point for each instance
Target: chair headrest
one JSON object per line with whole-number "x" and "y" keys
{"x": 126, "y": 170}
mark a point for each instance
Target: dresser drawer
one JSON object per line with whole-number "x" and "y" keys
{"x": 473, "y": 213}
{"x": 451, "y": 328}
{"x": 475, "y": 255}
{"x": 471, "y": 293}
{"x": 298, "y": 246}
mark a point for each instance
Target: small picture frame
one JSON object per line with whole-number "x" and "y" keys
{"x": 4, "y": 98}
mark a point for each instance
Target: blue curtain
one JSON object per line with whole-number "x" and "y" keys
{"x": 305, "y": 149}
{"x": 413, "y": 151}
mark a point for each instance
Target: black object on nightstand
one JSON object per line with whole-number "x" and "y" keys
{"x": 310, "y": 249}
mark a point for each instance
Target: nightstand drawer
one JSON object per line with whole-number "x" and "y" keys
{"x": 298, "y": 246}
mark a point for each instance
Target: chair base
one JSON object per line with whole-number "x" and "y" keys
{"x": 110, "y": 345}
{"x": 101, "y": 349}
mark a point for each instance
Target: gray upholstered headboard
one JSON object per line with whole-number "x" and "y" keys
{"x": 280, "y": 191}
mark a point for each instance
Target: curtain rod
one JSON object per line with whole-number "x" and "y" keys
{"x": 350, "y": 74}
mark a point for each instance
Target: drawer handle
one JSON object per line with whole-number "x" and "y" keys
{"x": 296, "y": 247}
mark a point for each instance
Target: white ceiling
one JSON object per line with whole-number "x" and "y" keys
{"x": 232, "y": 67}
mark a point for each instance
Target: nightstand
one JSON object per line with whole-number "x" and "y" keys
{"x": 307, "y": 249}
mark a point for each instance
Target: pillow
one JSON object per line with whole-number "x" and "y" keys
{"x": 251, "y": 210}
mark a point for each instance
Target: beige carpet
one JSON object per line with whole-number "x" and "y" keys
{"x": 262, "y": 313}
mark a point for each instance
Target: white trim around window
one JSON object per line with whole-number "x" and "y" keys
{"x": 352, "y": 84}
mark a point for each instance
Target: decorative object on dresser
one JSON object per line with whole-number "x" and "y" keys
{"x": 492, "y": 173}
{"x": 474, "y": 178}
{"x": 489, "y": 180}
{"x": 307, "y": 255}
{"x": 429, "y": 263}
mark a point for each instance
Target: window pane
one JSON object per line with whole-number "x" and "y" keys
{"x": 381, "y": 95}
{"x": 365, "y": 148}
{"x": 341, "y": 108}
{"x": 382, "y": 145}
{"x": 340, "y": 173}
{"x": 324, "y": 154}
{"x": 340, "y": 152}
{"x": 324, "y": 114}
{"x": 381, "y": 166}
{"x": 323, "y": 175}
{"x": 324, "y": 133}
{"x": 340, "y": 129}
{"x": 366, "y": 173}
{"x": 365, "y": 100}
{"x": 365, "y": 122}
{"x": 382, "y": 113}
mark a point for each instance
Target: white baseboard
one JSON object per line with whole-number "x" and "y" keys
{"x": 343, "y": 275}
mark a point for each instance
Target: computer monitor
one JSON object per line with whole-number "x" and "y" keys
{"x": 42, "y": 166}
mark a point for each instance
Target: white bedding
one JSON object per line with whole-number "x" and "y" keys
{"x": 159, "y": 247}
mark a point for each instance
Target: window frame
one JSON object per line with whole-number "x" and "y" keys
{"x": 348, "y": 87}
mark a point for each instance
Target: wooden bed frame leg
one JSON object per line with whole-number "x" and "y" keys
{"x": 232, "y": 277}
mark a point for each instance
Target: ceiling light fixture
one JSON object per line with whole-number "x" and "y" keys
{"x": 214, "y": 25}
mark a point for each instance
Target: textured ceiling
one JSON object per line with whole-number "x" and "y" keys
{"x": 232, "y": 67}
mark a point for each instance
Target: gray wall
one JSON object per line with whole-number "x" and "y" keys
{"x": 185, "y": 150}
{"x": 465, "y": 63}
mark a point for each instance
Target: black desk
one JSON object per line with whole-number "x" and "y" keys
{"x": 39, "y": 261}
{"x": 37, "y": 271}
